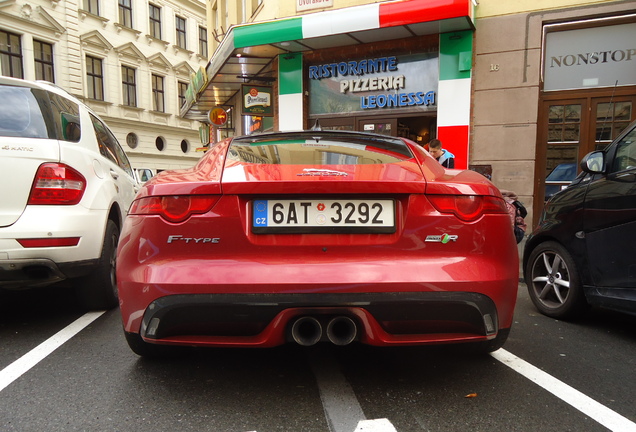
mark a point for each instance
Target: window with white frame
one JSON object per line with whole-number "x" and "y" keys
{"x": 158, "y": 101}
{"x": 43, "y": 58}
{"x": 94, "y": 78}
{"x": 155, "y": 21}
{"x": 181, "y": 32}
{"x": 125, "y": 13}
{"x": 129, "y": 86}
{"x": 11, "y": 55}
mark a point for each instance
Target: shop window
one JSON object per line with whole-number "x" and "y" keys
{"x": 611, "y": 119}
{"x": 564, "y": 123}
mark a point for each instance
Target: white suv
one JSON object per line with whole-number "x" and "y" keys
{"x": 66, "y": 188}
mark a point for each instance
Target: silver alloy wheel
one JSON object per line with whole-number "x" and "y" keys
{"x": 550, "y": 279}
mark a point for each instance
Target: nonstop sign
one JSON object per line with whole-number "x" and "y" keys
{"x": 393, "y": 82}
{"x": 590, "y": 57}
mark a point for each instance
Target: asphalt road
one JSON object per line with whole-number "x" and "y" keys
{"x": 60, "y": 374}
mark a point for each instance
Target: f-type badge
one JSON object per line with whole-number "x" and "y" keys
{"x": 444, "y": 238}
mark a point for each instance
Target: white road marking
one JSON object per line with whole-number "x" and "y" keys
{"x": 588, "y": 406}
{"x": 379, "y": 425}
{"x": 339, "y": 401}
{"x": 22, "y": 365}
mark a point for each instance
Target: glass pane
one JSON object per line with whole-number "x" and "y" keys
{"x": 622, "y": 111}
{"x": 573, "y": 113}
{"x": 555, "y": 133}
{"x": 559, "y": 155}
{"x": 555, "y": 115}
{"x": 612, "y": 118}
{"x": 603, "y": 112}
{"x": 571, "y": 132}
{"x": 603, "y": 131}
{"x": 619, "y": 127}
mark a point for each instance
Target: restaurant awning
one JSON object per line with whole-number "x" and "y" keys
{"x": 247, "y": 51}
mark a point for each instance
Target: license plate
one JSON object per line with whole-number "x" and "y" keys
{"x": 323, "y": 216}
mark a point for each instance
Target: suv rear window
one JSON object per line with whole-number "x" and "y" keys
{"x": 318, "y": 148}
{"x": 33, "y": 113}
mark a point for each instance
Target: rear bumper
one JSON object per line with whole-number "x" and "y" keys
{"x": 265, "y": 320}
{"x": 37, "y": 272}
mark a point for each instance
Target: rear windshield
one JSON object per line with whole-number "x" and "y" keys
{"x": 318, "y": 148}
{"x": 33, "y": 113}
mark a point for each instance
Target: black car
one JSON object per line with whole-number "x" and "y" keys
{"x": 583, "y": 251}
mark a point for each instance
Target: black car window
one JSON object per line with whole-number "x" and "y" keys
{"x": 318, "y": 148}
{"x": 109, "y": 146}
{"x": 65, "y": 114}
{"x": 24, "y": 112}
{"x": 625, "y": 158}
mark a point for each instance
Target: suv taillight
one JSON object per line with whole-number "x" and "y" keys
{"x": 57, "y": 184}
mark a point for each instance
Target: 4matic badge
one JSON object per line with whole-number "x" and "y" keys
{"x": 444, "y": 238}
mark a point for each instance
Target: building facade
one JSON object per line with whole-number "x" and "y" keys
{"x": 514, "y": 89}
{"x": 553, "y": 81}
{"x": 130, "y": 60}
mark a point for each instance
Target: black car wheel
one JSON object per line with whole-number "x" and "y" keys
{"x": 98, "y": 290}
{"x": 553, "y": 281}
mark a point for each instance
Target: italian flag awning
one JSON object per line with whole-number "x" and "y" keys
{"x": 248, "y": 50}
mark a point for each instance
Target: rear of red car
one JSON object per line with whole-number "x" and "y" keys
{"x": 317, "y": 236}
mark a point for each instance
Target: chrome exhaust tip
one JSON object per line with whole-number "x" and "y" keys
{"x": 342, "y": 331}
{"x": 306, "y": 331}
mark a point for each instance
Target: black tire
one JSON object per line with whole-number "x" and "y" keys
{"x": 98, "y": 289}
{"x": 148, "y": 350}
{"x": 554, "y": 283}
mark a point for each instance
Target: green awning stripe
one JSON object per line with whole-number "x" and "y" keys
{"x": 268, "y": 32}
{"x": 455, "y": 55}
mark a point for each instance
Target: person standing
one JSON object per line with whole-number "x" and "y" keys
{"x": 444, "y": 157}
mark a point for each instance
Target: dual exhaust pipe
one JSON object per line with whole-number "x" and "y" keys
{"x": 308, "y": 331}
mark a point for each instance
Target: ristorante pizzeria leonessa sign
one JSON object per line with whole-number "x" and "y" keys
{"x": 374, "y": 84}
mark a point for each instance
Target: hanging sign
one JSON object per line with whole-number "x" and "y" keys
{"x": 257, "y": 100}
{"x": 217, "y": 116}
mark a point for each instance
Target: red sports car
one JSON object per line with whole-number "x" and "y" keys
{"x": 317, "y": 236}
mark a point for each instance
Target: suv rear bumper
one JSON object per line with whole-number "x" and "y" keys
{"x": 23, "y": 273}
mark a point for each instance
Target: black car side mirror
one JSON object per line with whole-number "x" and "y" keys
{"x": 593, "y": 163}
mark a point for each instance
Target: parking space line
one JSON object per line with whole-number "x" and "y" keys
{"x": 22, "y": 365}
{"x": 588, "y": 406}
{"x": 339, "y": 401}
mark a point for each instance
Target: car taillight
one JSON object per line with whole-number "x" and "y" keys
{"x": 174, "y": 208}
{"x": 57, "y": 184}
{"x": 468, "y": 207}
{"x": 48, "y": 242}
